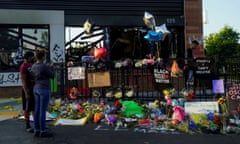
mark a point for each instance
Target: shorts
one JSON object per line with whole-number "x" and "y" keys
{"x": 28, "y": 105}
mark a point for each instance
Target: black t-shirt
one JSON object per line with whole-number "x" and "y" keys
{"x": 190, "y": 58}
{"x": 190, "y": 53}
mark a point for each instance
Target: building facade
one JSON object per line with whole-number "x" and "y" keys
{"x": 27, "y": 25}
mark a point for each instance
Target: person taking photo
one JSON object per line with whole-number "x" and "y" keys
{"x": 42, "y": 73}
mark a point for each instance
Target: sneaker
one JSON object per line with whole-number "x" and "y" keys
{"x": 46, "y": 134}
{"x": 37, "y": 134}
{"x": 30, "y": 130}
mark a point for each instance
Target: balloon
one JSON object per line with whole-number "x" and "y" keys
{"x": 153, "y": 36}
{"x": 88, "y": 26}
{"x": 163, "y": 29}
{"x": 149, "y": 20}
{"x": 100, "y": 52}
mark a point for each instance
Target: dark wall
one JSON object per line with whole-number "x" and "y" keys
{"x": 107, "y": 12}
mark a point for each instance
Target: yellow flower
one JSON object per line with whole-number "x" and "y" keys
{"x": 221, "y": 100}
{"x": 165, "y": 92}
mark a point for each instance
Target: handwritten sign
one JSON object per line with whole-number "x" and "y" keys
{"x": 161, "y": 76}
{"x": 204, "y": 67}
{"x": 201, "y": 107}
{"x": 76, "y": 73}
{"x": 233, "y": 94}
{"x": 10, "y": 79}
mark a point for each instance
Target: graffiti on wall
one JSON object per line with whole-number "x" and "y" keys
{"x": 10, "y": 79}
{"x": 57, "y": 54}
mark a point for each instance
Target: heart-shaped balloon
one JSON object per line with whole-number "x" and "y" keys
{"x": 100, "y": 52}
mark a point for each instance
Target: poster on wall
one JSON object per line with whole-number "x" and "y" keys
{"x": 233, "y": 94}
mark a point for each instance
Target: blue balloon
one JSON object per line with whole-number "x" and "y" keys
{"x": 153, "y": 36}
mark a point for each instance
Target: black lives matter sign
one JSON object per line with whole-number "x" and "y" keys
{"x": 161, "y": 76}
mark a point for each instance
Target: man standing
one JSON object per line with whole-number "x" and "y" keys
{"x": 191, "y": 64}
{"x": 27, "y": 88}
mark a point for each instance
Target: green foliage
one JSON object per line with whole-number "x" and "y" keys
{"x": 223, "y": 43}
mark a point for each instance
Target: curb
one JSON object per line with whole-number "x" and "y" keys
{"x": 10, "y": 107}
{"x": 9, "y": 113}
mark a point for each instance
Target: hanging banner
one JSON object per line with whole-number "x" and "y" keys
{"x": 76, "y": 73}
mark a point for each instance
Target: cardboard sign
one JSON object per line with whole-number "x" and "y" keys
{"x": 99, "y": 79}
{"x": 201, "y": 107}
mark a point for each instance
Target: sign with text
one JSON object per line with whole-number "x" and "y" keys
{"x": 10, "y": 79}
{"x": 201, "y": 107}
{"x": 76, "y": 73}
{"x": 161, "y": 76}
{"x": 204, "y": 67}
{"x": 233, "y": 94}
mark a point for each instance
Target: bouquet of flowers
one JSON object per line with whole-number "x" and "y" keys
{"x": 222, "y": 101}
